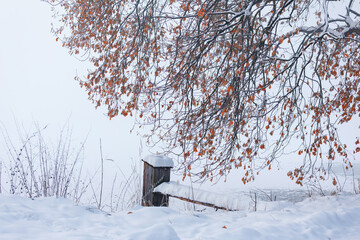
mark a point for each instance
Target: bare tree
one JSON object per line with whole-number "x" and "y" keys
{"x": 225, "y": 84}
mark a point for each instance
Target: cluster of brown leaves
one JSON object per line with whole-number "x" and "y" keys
{"x": 226, "y": 84}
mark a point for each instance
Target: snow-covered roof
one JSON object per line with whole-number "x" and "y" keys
{"x": 159, "y": 161}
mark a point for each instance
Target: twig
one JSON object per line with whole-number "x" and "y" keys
{"x": 102, "y": 176}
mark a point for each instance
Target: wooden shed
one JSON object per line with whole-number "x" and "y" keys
{"x": 156, "y": 171}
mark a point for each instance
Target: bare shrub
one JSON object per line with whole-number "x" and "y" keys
{"x": 124, "y": 192}
{"x": 37, "y": 169}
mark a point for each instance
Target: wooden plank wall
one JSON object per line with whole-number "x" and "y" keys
{"x": 153, "y": 177}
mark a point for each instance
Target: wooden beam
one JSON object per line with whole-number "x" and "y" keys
{"x": 202, "y": 203}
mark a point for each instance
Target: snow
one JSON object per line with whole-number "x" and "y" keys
{"x": 159, "y": 161}
{"x": 332, "y": 217}
{"x": 175, "y": 189}
{"x": 234, "y": 200}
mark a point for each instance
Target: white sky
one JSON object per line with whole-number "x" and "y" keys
{"x": 37, "y": 85}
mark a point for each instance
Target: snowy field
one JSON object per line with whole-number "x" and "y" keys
{"x": 334, "y": 217}
{"x": 31, "y": 58}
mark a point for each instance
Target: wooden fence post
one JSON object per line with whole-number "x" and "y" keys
{"x": 156, "y": 171}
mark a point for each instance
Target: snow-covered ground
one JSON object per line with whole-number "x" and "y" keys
{"x": 332, "y": 217}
